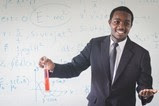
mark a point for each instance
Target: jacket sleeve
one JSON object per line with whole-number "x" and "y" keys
{"x": 145, "y": 78}
{"x": 72, "y": 69}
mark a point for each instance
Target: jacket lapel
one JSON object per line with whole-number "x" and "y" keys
{"x": 126, "y": 57}
{"x": 105, "y": 56}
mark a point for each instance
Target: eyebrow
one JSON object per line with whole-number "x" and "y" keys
{"x": 120, "y": 19}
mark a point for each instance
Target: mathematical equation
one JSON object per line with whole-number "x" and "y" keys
{"x": 12, "y": 84}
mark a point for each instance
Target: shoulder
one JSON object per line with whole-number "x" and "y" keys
{"x": 138, "y": 47}
{"x": 99, "y": 39}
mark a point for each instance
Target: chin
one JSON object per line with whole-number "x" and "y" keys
{"x": 120, "y": 37}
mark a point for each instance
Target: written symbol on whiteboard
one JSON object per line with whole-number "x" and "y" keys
{"x": 43, "y": 17}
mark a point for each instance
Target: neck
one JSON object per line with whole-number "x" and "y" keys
{"x": 116, "y": 40}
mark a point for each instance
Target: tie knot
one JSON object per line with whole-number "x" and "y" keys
{"x": 115, "y": 45}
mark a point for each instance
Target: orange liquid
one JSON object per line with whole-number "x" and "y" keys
{"x": 47, "y": 84}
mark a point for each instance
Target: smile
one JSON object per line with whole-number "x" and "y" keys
{"x": 120, "y": 31}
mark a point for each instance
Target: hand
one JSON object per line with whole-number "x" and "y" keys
{"x": 46, "y": 63}
{"x": 146, "y": 93}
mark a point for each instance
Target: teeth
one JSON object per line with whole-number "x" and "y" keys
{"x": 120, "y": 32}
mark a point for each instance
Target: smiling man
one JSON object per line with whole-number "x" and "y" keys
{"x": 117, "y": 64}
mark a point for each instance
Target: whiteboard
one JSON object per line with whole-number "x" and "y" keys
{"x": 59, "y": 29}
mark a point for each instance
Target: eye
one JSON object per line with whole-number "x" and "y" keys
{"x": 116, "y": 22}
{"x": 127, "y": 23}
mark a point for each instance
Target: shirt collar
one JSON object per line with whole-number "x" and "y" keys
{"x": 121, "y": 44}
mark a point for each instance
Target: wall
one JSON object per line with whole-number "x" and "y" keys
{"x": 59, "y": 29}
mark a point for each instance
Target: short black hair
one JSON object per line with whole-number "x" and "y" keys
{"x": 124, "y": 9}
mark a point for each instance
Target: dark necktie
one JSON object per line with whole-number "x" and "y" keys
{"x": 112, "y": 59}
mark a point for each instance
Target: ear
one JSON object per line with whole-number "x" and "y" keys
{"x": 109, "y": 21}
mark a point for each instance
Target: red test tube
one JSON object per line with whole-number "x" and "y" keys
{"x": 47, "y": 85}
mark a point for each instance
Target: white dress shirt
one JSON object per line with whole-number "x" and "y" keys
{"x": 120, "y": 49}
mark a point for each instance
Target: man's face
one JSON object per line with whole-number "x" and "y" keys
{"x": 120, "y": 25}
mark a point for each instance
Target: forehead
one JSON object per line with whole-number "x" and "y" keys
{"x": 121, "y": 15}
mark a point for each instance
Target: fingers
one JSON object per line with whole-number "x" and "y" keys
{"x": 147, "y": 92}
{"x": 42, "y": 61}
{"x": 154, "y": 91}
{"x": 46, "y": 63}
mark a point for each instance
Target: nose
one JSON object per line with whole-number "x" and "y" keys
{"x": 121, "y": 25}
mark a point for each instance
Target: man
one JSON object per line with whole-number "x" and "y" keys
{"x": 112, "y": 84}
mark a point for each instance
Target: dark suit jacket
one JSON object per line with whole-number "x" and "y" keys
{"x": 134, "y": 67}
